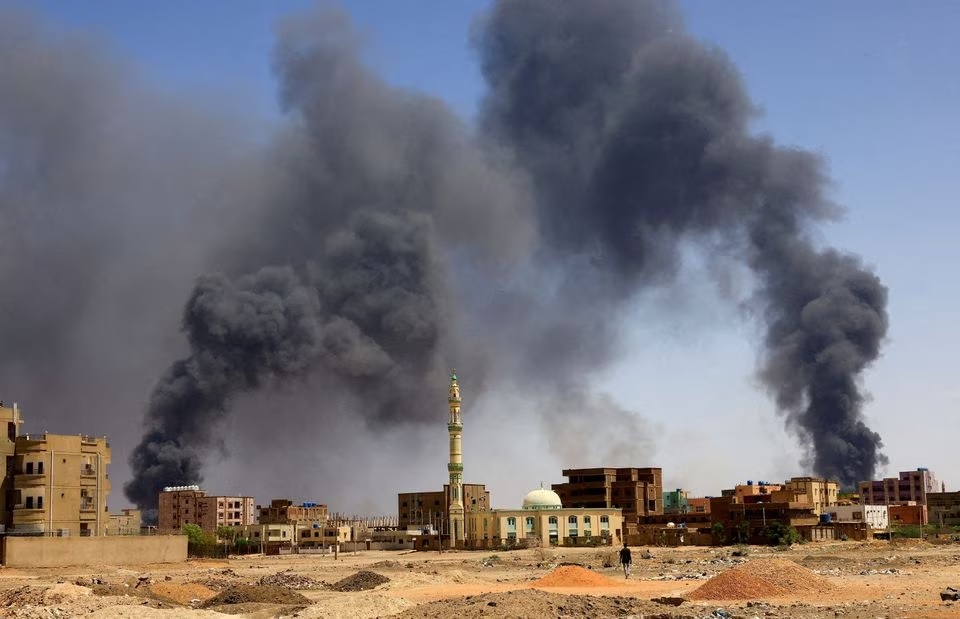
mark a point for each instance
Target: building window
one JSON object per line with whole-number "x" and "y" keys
{"x": 571, "y": 520}
{"x": 29, "y": 469}
{"x": 511, "y": 522}
{"x": 39, "y": 468}
{"x": 29, "y": 502}
{"x": 530, "y": 523}
{"x": 586, "y": 520}
{"x": 604, "y": 519}
{"x": 553, "y": 520}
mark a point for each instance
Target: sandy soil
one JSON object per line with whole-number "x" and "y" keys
{"x": 869, "y": 580}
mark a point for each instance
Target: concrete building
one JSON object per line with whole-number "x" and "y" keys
{"x": 60, "y": 485}
{"x": 419, "y": 510}
{"x": 638, "y": 492}
{"x": 699, "y": 505}
{"x": 127, "y": 522}
{"x": 908, "y": 486}
{"x": 747, "y": 520}
{"x": 284, "y": 511}
{"x": 815, "y": 491}
{"x": 180, "y": 505}
{"x": 944, "y": 508}
{"x": 676, "y": 502}
{"x": 908, "y": 514}
{"x": 876, "y": 517}
{"x": 10, "y": 418}
{"x": 543, "y": 520}
{"x": 752, "y": 488}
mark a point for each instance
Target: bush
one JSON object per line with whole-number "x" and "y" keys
{"x": 779, "y": 534}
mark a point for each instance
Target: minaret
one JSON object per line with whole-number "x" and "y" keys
{"x": 455, "y": 428}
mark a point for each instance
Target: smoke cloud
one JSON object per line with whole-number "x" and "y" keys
{"x": 376, "y": 238}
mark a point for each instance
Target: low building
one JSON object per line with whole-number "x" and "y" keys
{"x": 284, "y": 511}
{"x": 543, "y": 520}
{"x": 749, "y": 522}
{"x": 908, "y": 487}
{"x": 127, "y": 522}
{"x": 944, "y": 508}
{"x": 676, "y": 502}
{"x": 815, "y": 491}
{"x": 180, "y": 505}
{"x": 910, "y": 514}
{"x": 875, "y": 517}
{"x": 699, "y": 505}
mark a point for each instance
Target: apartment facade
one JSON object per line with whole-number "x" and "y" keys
{"x": 908, "y": 486}
{"x": 876, "y": 517}
{"x": 638, "y": 492}
{"x": 285, "y": 511}
{"x": 127, "y": 522}
{"x": 815, "y": 491}
{"x": 180, "y": 505}
{"x": 10, "y": 418}
{"x": 422, "y": 509}
{"x": 60, "y": 485}
{"x": 943, "y": 508}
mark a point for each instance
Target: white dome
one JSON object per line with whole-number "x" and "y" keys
{"x": 541, "y": 498}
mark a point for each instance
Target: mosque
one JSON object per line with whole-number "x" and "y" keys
{"x": 541, "y": 520}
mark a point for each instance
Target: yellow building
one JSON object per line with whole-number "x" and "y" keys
{"x": 127, "y": 522}
{"x": 10, "y": 418}
{"x": 815, "y": 491}
{"x": 60, "y": 485}
{"x": 543, "y": 520}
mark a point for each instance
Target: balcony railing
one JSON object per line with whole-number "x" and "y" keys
{"x": 88, "y": 470}
{"x": 87, "y": 506}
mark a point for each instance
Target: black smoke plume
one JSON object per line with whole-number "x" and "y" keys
{"x": 637, "y": 139}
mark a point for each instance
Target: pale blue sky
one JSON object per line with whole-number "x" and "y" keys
{"x": 872, "y": 86}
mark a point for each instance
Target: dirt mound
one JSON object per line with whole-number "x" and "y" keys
{"x": 361, "y": 581}
{"x": 181, "y": 593}
{"x": 388, "y": 564}
{"x": 242, "y": 594}
{"x": 573, "y": 576}
{"x": 289, "y": 579}
{"x": 22, "y": 596}
{"x": 214, "y": 584}
{"x": 533, "y": 603}
{"x": 761, "y": 578}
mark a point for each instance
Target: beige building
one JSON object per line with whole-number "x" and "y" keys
{"x": 60, "y": 485}
{"x": 820, "y": 493}
{"x": 127, "y": 522}
{"x": 542, "y": 520}
{"x": 180, "y": 505}
{"x": 285, "y": 511}
{"x": 10, "y": 417}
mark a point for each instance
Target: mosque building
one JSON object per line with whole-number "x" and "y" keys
{"x": 541, "y": 520}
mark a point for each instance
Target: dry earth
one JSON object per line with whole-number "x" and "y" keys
{"x": 847, "y": 580}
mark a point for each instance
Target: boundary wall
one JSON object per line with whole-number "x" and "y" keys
{"x": 105, "y": 550}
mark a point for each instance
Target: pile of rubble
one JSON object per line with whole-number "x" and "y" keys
{"x": 290, "y": 580}
{"x": 361, "y": 581}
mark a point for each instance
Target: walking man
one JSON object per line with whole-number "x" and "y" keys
{"x": 625, "y": 560}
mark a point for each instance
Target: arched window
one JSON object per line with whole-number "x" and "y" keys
{"x": 530, "y": 522}
{"x": 604, "y": 519}
{"x": 571, "y": 519}
{"x": 553, "y": 520}
{"x": 511, "y": 522}
{"x": 586, "y": 520}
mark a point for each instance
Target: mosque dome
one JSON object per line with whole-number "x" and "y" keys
{"x": 541, "y": 498}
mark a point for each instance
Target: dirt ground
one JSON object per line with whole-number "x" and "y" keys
{"x": 852, "y": 580}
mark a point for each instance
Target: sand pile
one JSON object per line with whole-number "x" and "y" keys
{"x": 288, "y": 579}
{"x": 574, "y": 576}
{"x": 361, "y": 581}
{"x": 242, "y": 594}
{"x": 181, "y": 593}
{"x": 761, "y": 578}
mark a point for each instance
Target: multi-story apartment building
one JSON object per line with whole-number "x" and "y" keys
{"x": 944, "y": 508}
{"x": 876, "y": 517}
{"x": 284, "y": 511}
{"x": 423, "y": 509}
{"x": 676, "y": 502}
{"x": 10, "y": 418}
{"x": 817, "y": 492}
{"x": 127, "y": 522}
{"x": 180, "y": 505}
{"x": 909, "y": 486}
{"x": 636, "y": 491}
{"x": 60, "y": 485}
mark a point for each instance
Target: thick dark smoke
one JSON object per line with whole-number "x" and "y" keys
{"x": 377, "y": 238}
{"x": 637, "y": 138}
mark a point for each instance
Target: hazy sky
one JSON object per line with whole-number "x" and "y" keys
{"x": 872, "y": 86}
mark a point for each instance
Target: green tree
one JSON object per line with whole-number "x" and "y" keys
{"x": 779, "y": 534}
{"x": 194, "y": 533}
{"x": 227, "y": 534}
{"x": 719, "y": 534}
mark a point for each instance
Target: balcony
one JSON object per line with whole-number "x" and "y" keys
{"x": 88, "y": 470}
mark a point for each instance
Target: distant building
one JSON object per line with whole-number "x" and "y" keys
{"x": 543, "y": 520}
{"x": 284, "y": 511}
{"x": 676, "y": 502}
{"x": 180, "y": 505}
{"x": 876, "y": 517}
{"x": 127, "y": 522}
{"x": 638, "y": 492}
{"x": 944, "y": 508}
{"x": 431, "y": 508}
{"x": 817, "y": 492}
{"x": 908, "y": 486}
{"x": 699, "y": 505}
{"x": 911, "y": 513}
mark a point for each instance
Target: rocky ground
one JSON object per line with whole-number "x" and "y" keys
{"x": 848, "y": 580}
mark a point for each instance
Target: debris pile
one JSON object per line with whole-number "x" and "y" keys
{"x": 242, "y": 594}
{"x": 288, "y": 579}
{"x": 761, "y": 578}
{"x": 181, "y": 593}
{"x": 573, "y": 576}
{"x": 361, "y": 581}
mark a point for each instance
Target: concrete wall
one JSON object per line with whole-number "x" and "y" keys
{"x": 119, "y": 550}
